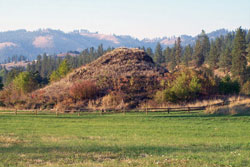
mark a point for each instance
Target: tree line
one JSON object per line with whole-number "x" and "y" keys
{"x": 229, "y": 53}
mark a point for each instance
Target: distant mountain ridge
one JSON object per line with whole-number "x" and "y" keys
{"x": 32, "y": 43}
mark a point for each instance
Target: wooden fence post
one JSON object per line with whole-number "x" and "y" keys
{"x": 168, "y": 110}
{"x": 146, "y": 111}
{"x": 78, "y": 113}
{"x": 57, "y": 112}
{"x": 15, "y": 111}
{"x": 188, "y": 109}
{"x": 35, "y": 112}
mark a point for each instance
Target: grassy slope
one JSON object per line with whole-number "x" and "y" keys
{"x": 124, "y": 140}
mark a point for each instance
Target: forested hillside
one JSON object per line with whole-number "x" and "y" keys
{"x": 209, "y": 68}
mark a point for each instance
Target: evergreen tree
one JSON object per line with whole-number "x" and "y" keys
{"x": 11, "y": 75}
{"x": 158, "y": 57}
{"x": 187, "y": 55}
{"x": 100, "y": 51}
{"x": 150, "y": 52}
{"x": 64, "y": 68}
{"x": 55, "y": 76}
{"x": 229, "y": 40}
{"x": 248, "y": 52}
{"x": 239, "y": 62}
{"x": 178, "y": 51}
{"x": 225, "y": 60}
{"x": 198, "y": 54}
{"x": 173, "y": 60}
{"x": 205, "y": 44}
{"x": 1, "y": 83}
{"x": 25, "y": 82}
{"x": 167, "y": 54}
{"x": 213, "y": 56}
{"x": 44, "y": 65}
{"x": 219, "y": 45}
{"x": 39, "y": 63}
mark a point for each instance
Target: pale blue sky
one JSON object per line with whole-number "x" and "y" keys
{"x": 139, "y": 18}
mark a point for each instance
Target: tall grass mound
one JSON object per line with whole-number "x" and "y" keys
{"x": 130, "y": 72}
{"x": 236, "y": 107}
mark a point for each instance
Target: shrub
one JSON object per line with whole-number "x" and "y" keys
{"x": 10, "y": 96}
{"x": 186, "y": 87}
{"x": 25, "y": 82}
{"x": 113, "y": 100}
{"x": 227, "y": 86}
{"x": 61, "y": 72}
{"x": 83, "y": 90}
{"x": 160, "y": 97}
{"x": 170, "y": 95}
{"x": 246, "y": 88}
{"x": 55, "y": 76}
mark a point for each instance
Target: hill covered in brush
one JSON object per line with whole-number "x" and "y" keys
{"x": 129, "y": 75}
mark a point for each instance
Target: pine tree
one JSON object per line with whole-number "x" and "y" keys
{"x": 213, "y": 56}
{"x": 173, "y": 61}
{"x": 158, "y": 57}
{"x": 178, "y": 51}
{"x": 239, "y": 62}
{"x": 229, "y": 40}
{"x": 219, "y": 44}
{"x": 205, "y": 44}
{"x": 100, "y": 51}
{"x": 44, "y": 66}
{"x": 1, "y": 83}
{"x": 187, "y": 55}
{"x": 64, "y": 68}
{"x": 198, "y": 54}
{"x": 39, "y": 63}
{"x": 167, "y": 54}
{"x": 150, "y": 52}
{"x": 225, "y": 60}
{"x": 248, "y": 52}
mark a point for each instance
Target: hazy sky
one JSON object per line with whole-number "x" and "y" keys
{"x": 139, "y": 18}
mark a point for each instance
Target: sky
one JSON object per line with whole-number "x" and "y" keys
{"x": 138, "y": 18}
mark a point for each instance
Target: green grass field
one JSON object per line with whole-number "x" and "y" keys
{"x": 134, "y": 139}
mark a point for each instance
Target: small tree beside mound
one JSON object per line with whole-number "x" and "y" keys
{"x": 185, "y": 87}
{"x": 228, "y": 86}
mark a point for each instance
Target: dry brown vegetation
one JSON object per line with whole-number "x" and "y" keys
{"x": 130, "y": 72}
{"x": 83, "y": 90}
{"x": 237, "y": 105}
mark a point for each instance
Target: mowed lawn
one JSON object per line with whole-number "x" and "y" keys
{"x": 133, "y": 139}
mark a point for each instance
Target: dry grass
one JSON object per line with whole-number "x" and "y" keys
{"x": 152, "y": 104}
{"x": 9, "y": 140}
{"x": 237, "y": 106}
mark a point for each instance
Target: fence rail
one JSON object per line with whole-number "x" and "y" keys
{"x": 112, "y": 110}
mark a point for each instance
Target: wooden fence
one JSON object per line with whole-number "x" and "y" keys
{"x": 111, "y": 110}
